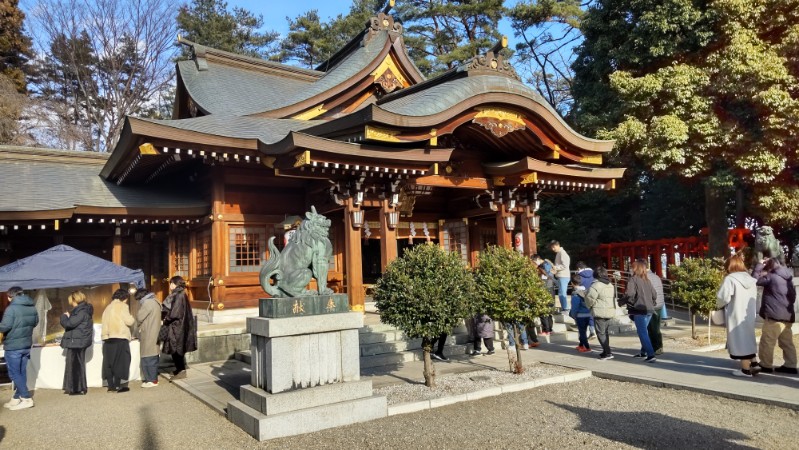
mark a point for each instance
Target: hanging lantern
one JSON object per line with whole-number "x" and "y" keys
{"x": 392, "y": 217}
{"x": 534, "y": 222}
{"x": 357, "y": 218}
{"x": 510, "y": 222}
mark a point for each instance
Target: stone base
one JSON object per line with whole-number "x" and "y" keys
{"x": 263, "y": 427}
{"x": 271, "y": 404}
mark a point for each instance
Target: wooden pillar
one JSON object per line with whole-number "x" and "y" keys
{"x": 352, "y": 259}
{"x": 116, "y": 251}
{"x": 474, "y": 242}
{"x": 528, "y": 236}
{"x": 219, "y": 238}
{"x": 504, "y": 238}
{"x": 388, "y": 237}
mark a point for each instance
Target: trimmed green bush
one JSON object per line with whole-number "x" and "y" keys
{"x": 425, "y": 293}
{"x": 510, "y": 290}
{"x": 695, "y": 282}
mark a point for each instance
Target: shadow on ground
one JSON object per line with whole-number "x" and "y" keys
{"x": 653, "y": 430}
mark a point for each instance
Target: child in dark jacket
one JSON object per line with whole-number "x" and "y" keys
{"x": 580, "y": 312}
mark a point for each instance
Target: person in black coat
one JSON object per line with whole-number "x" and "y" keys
{"x": 78, "y": 336}
{"x": 179, "y": 335}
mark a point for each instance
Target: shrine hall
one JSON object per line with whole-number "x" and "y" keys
{"x": 393, "y": 159}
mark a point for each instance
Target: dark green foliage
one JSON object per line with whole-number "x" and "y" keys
{"x": 311, "y": 41}
{"x": 696, "y": 281}
{"x": 211, "y": 23}
{"x": 15, "y": 45}
{"x": 509, "y": 287}
{"x": 442, "y": 34}
{"x": 426, "y": 292}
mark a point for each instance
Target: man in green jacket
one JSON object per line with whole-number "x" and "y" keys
{"x": 19, "y": 320}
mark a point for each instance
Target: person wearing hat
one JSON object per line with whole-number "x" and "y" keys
{"x": 19, "y": 320}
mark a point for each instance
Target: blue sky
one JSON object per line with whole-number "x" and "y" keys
{"x": 275, "y": 12}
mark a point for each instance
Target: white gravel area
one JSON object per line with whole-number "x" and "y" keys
{"x": 454, "y": 384}
{"x": 591, "y": 413}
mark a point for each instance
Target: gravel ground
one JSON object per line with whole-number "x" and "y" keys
{"x": 591, "y": 413}
{"x": 454, "y": 384}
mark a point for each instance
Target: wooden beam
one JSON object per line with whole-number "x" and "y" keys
{"x": 219, "y": 238}
{"x": 388, "y": 237}
{"x": 504, "y": 238}
{"x": 528, "y": 236}
{"x": 352, "y": 259}
{"x": 116, "y": 251}
{"x": 453, "y": 182}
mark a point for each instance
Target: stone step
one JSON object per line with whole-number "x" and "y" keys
{"x": 385, "y": 359}
{"x": 405, "y": 344}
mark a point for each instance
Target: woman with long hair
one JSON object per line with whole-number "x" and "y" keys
{"x": 78, "y": 336}
{"x": 640, "y": 298}
{"x": 179, "y": 336}
{"x": 738, "y": 296}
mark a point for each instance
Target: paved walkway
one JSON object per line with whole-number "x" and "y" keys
{"x": 708, "y": 372}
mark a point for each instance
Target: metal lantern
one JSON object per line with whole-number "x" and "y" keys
{"x": 534, "y": 222}
{"x": 392, "y": 217}
{"x": 357, "y": 218}
{"x": 510, "y": 222}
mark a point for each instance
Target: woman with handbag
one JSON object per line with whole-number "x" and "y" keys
{"x": 78, "y": 336}
{"x": 640, "y": 299}
{"x": 178, "y": 333}
{"x": 738, "y": 297}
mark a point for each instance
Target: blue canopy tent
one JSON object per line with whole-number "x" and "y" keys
{"x": 64, "y": 266}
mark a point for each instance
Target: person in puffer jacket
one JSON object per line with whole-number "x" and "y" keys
{"x": 19, "y": 320}
{"x": 601, "y": 300}
{"x": 78, "y": 336}
{"x": 777, "y": 311}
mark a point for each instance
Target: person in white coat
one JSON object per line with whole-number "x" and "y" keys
{"x": 738, "y": 297}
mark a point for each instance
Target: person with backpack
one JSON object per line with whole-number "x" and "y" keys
{"x": 78, "y": 336}
{"x": 587, "y": 279}
{"x": 19, "y": 320}
{"x": 777, "y": 311}
{"x": 600, "y": 299}
{"x": 639, "y": 298}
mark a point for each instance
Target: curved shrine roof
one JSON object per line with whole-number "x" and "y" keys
{"x": 236, "y": 90}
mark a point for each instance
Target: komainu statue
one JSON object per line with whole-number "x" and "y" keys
{"x": 767, "y": 246}
{"x": 306, "y": 255}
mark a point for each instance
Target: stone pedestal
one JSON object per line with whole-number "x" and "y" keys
{"x": 305, "y": 376}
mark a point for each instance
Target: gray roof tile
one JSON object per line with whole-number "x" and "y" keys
{"x": 51, "y": 184}
{"x": 266, "y": 129}
{"x": 230, "y": 90}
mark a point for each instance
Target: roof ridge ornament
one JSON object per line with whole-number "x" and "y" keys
{"x": 384, "y": 22}
{"x": 494, "y": 61}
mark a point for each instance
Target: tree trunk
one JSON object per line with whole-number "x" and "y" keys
{"x": 708, "y": 329}
{"x": 693, "y": 323}
{"x": 429, "y": 370}
{"x": 518, "y": 367}
{"x": 716, "y": 218}
{"x": 740, "y": 210}
{"x": 512, "y": 358}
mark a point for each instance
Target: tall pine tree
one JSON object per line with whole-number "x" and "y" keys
{"x": 211, "y": 23}
{"x": 15, "y": 46}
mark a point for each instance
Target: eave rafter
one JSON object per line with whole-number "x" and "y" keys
{"x": 552, "y": 177}
{"x": 300, "y": 152}
{"x": 500, "y": 125}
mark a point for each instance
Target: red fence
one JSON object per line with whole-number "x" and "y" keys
{"x": 664, "y": 252}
